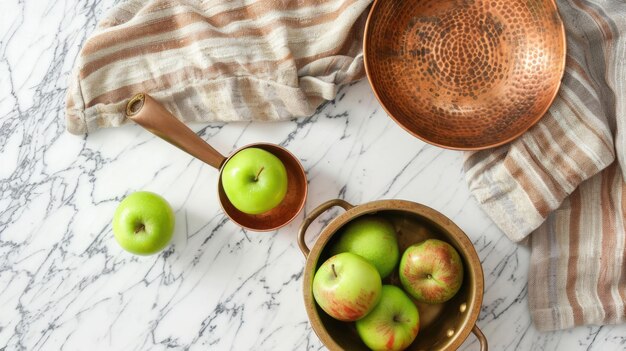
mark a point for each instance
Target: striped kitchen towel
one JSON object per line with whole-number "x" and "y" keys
{"x": 217, "y": 60}
{"x": 561, "y": 185}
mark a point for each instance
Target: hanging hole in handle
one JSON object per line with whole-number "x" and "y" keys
{"x": 135, "y": 104}
{"x": 313, "y": 215}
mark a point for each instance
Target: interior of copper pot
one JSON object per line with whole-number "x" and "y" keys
{"x": 443, "y": 326}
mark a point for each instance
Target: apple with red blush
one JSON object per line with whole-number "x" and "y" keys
{"x": 347, "y": 287}
{"x": 431, "y": 271}
{"x": 393, "y": 324}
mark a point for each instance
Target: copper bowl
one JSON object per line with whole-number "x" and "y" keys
{"x": 465, "y": 74}
{"x": 443, "y": 326}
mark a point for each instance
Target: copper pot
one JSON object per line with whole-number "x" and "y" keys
{"x": 443, "y": 326}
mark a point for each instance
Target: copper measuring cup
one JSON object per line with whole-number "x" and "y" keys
{"x": 151, "y": 115}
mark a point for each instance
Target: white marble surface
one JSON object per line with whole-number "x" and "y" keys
{"x": 66, "y": 285}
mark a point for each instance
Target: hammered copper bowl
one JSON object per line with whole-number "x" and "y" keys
{"x": 443, "y": 326}
{"x": 465, "y": 74}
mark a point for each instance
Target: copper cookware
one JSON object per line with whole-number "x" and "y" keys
{"x": 153, "y": 116}
{"x": 442, "y": 327}
{"x": 465, "y": 74}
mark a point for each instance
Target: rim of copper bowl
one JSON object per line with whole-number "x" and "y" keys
{"x": 561, "y": 68}
{"x": 393, "y": 205}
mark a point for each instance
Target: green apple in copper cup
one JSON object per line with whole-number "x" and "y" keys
{"x": 254, "y": 180}
{"x": 266, "y": 184}
{"x": 347, "y": 287}
{"x": 373, "y": 238}
{"x": 393, "y": 324}
{"x": 143, "y": 223}
{"x": 431, "y": 271}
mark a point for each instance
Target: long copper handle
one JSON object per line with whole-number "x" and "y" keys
{"x": 150, "y": 114}
{"x": 314, "y": 214}
{"x": 481, "y": 338}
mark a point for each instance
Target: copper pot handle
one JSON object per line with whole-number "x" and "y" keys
{"x": 152, "y": 115}
{"x": 481, "y": 338}
{"x": 314, "y": 214}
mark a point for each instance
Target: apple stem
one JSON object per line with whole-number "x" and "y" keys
{"x": 258, "y": 174}
{"x": 139, "y": 228}
{"x": 397, "y": 319}
{"x": 334, "y": 271}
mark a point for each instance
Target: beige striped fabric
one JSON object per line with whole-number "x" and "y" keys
{"x": 217, "y": 60}
{"x": 561, "y": 185}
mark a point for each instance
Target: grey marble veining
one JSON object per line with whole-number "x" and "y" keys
{"x": 66, "y": 285}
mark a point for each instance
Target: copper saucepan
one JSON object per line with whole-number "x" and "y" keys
{"x": 443, "y": 326}
{"x": 150, "y": 114}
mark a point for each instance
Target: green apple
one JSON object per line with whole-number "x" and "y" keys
{"x": 346, "y": 286}
{"x": 143, "y": 223}
{"x": 393, "y": 324}
{"x": 254, "y": 180}
{"x": 373, "y": 238}
{"x": 431, "y": 271}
